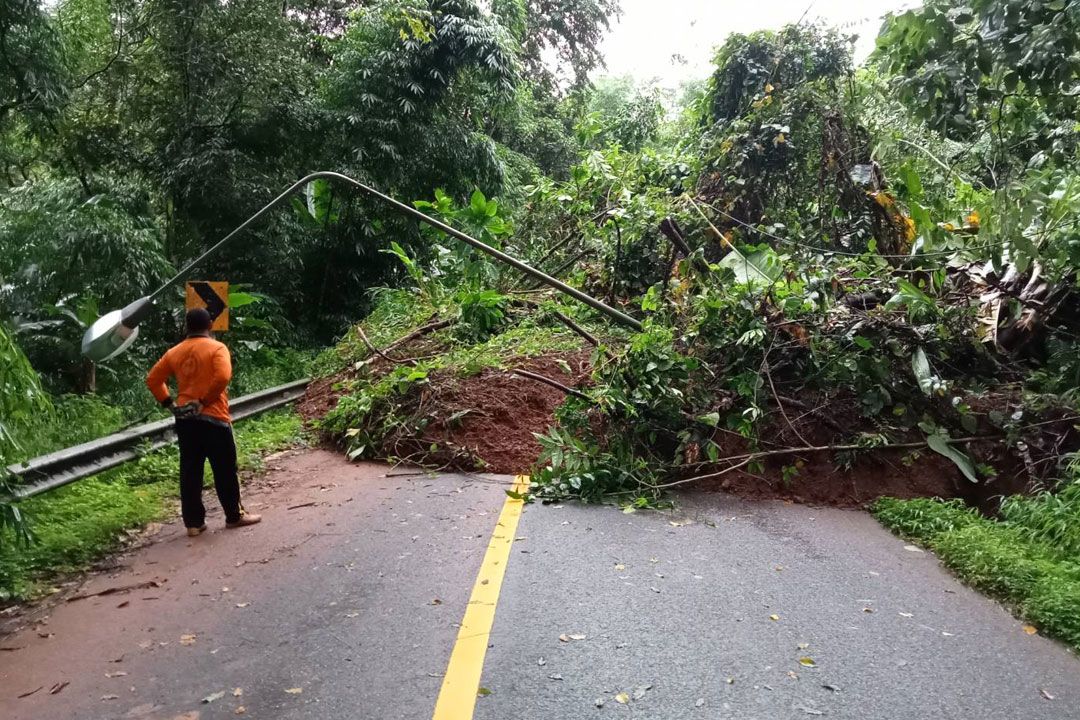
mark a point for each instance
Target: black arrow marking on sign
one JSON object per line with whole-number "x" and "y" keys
{"x": 215, "y": 304}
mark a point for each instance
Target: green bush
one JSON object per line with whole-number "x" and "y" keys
{"x": 992, "y": 559}
{"x": 1010, "y": 560}
{"x": 924, "y": 518}
{"x": 1055, "y": 607}
{"x": 1050, "y": 518}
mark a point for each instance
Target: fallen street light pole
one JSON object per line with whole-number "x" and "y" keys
{"x": 116, "y": 331}
{"x": 64, "y": 467}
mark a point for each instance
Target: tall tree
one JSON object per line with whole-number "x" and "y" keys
{"x": 572, "y": 30}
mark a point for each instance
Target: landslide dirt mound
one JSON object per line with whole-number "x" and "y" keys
{"x": 503, "y": 410}
{"x": 482, "y": 422}
{"x": 487, "y": 421}
{"x": 857, "y": 478}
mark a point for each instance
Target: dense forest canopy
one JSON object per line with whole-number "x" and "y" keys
{"x": 938, "y": 180}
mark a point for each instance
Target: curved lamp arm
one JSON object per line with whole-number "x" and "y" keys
{"x": 114, "y": 332}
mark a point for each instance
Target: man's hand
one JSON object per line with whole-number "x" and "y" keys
{"x": 189, "y": 410}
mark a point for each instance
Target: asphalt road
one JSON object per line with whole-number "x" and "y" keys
{"x": 346, "y": 603}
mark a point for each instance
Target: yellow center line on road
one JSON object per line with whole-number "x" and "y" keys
{"x": 461, "y": 683}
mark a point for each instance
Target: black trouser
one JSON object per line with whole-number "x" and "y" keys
{"x": 201, "y": 441}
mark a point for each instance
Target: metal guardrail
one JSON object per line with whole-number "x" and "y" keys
{"x": 63, "y": 467}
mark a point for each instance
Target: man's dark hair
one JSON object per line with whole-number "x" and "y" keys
{"x": 198, "y": 321}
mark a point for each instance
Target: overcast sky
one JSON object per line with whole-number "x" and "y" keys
{"x": 650, "y": 32}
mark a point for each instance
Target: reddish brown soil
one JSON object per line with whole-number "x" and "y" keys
{"x": 823, "y": 479}
{"x": 505, "y": 410}
{"x": 483, "y": 422}
{"x": 820, "y": 481}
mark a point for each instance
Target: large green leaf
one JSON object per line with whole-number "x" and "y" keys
{"x": 759, "y": 268}
{"x": 940, "y": 444}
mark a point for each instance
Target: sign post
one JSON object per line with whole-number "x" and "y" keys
{"x": 212, "y": 297}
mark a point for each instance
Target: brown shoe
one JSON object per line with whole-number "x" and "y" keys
{"x": 192, "y": 532}
{"x": 246, "y": 519}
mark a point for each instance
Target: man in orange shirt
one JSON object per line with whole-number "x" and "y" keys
{"x": 202, "y": 368}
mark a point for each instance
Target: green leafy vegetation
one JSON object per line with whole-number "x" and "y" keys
{"x": 1027, "y": 557}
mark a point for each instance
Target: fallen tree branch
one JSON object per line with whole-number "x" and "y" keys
{"x": 746, "y": 459}
{"x": 585, "y": 334}
{"x": 564, "y": 267}
{"x": 780, "y": 405}
{"x": 376, "y": 351}
{"x": 552, "y": 383}
{"x": 419, "y": 332}
{"x": 809, "y": 410}
{"x": 122, "y": 589}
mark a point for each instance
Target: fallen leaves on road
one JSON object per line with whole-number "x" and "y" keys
{"x": 55, "y": 689}
{"x": 1046, "y": 693}
{"x": 541, "y": 662}
{"x": 555, "y": 676}
{"x": 109, "y": 697}
{"x": 1031, "y": 629}
{"x": 807, "y": 662}
{"x": 640, "y": 690}
{"x": 700, "y": 703}
{"x": 213, "y": 697}
{"x": 905, "y": 615}
{"x": 620, "y": 567}
{"x": 913, "y": 548}
{"x": 567, "y": 638}
{"x": 483, "y": 691}
{"x": 831, "y": 688}
{"x": 774, "y": 618}
{"x": 187, "y": 639}
{"x": 435, "y": 601}
{"x": 242, "y": 605}
{"x": 118, "y": 673}
{"x": 238, "y": 692}
{"x": 240, "y": 710}
{"x": 803, "y": 646}
{"x": 622, "y": 698}
{"x": 28, "y": 694}
{"x": 294, "y": 691}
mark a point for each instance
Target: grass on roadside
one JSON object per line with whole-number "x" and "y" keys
{"x": 78, "y": 524}
{"x": 1027, "y": 559}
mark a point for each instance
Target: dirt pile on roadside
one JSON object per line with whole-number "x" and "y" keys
{"x": 484, "y": 422}
{"x": 503, "y": 410}
{"x": 850, "y": 476}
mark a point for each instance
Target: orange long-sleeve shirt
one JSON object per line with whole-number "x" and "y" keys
{"x": 202, "y": 368}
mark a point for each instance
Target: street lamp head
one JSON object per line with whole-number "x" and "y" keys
{"x": 114, "y": 332}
